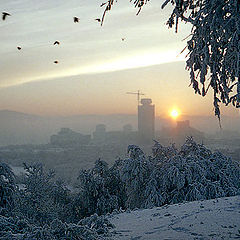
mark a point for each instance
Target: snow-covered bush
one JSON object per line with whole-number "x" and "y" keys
{"x": 98, "y": 223}
{"x": 16, "y": 229}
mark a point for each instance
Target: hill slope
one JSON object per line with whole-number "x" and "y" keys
{"x": 210, "y": 219}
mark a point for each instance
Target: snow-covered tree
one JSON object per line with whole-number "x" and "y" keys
{"x": 152, "y": 194}
{"x": 7, "y": 187}
{"x": 162, "y": 153}
{"x": 42, "y": 199}
{"x": 95, "y": 195}
{"x": 196, "y": 173}
{"x": 45, "y": 209}
{"x": 213, "y": 57}
{"x": 115, "y": 185}
{"x": 134, "y": 173}
{"x": 172, "y": 176}
{"x": 100, "y": 168}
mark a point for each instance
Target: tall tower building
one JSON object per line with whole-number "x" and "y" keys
{"x": 146, "y": 120}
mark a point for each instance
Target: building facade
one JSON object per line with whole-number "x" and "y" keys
{"x": 146, "y": 120}
{"x": 68, "y": 138}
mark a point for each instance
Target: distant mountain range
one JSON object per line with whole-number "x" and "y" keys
{"x": 22, "y": 128}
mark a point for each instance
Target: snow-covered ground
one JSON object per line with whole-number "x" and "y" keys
{"x": 211, "y": 219}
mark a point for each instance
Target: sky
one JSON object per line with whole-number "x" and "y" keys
{"x": 96, "y": 68}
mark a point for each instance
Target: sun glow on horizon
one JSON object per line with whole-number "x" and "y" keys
{"x": 174, "y": 113}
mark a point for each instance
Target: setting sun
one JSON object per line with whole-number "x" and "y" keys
{"x": 174, "y": 113}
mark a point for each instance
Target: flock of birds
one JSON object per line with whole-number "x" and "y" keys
{"x": 75, "y": 20}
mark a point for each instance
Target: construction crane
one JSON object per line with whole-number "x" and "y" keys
{"x": 138, "y": 93}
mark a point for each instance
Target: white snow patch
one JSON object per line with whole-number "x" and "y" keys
{"x": 210, "y": 219}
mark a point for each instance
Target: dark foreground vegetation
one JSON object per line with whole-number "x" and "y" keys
{"x": 44, "y": 208}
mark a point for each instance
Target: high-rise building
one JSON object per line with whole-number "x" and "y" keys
{"x": 100, "y": 133}
{"x": 146, "y": 120}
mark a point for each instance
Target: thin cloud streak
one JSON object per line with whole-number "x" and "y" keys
{"x": 124, "y": 63}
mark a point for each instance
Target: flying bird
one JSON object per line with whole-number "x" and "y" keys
{"x": 56, "y": 43}
{"x": 4, "y": 15}
{"x": 76, "y": 19}
{"x": 98, "y": 19}
{"x": 102, "y": 4}
{"x": 123, "y": 39}
{"x": 56, "y": 62}
{"x": 19, "y": 48}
